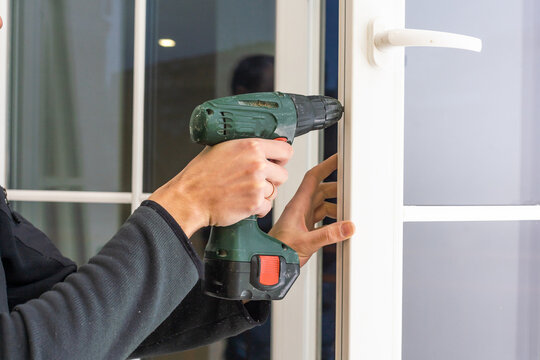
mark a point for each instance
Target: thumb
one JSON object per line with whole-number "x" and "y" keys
{"x": 331, "y": 234}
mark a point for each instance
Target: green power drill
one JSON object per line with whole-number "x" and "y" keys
{"x": 241, "y": 262}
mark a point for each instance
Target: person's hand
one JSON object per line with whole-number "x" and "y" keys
{"x": 308, "y": 207}
{"x": 226, "y": 183}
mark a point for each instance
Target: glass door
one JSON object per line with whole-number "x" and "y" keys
{"x": 95, "y": 99}
{"x": 100, "y": 95}
{"x": 472, "y": 124}
{"x": 440, "y": 174}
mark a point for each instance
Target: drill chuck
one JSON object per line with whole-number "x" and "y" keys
{"x": 315, "y": 112}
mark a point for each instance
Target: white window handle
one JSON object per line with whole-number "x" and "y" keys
{"x": 381, "y": 39}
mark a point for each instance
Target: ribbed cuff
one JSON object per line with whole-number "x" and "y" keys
{"x": 186, "y": 243}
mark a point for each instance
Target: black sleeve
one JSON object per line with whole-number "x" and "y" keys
{"x": 107, "y": 308}
{"x": 200, "y": 320}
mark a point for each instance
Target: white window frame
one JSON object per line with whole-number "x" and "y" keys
{"x": 371, "y": 139}
{"x": 4, "y": 71}
{"x": 296, "y": 329}
{"x": 296, "y": 319}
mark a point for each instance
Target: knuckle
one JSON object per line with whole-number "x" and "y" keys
{"x": 254, "y": 148}
{"x": 252, "y": 144}
{"x": 290, "y": 151}
{"x": 256, "y": 204}
{"x": 327, "y": 235}
{"x": 257, "y": 153}
{"x": 333, "y": 233}
{"x": 310, "y": 176}
{"x": 285, "y": 175}
{"x": 252, "y": 208}
{"x": 256, "y": 187}
{"x": 256, "y": 166}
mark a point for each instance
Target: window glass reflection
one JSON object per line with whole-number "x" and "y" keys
{"x": 78, "y": 230}
{"x": 471, "y": 290}
{"x": 71, "y": 86}
{"x": 471, "y": 120}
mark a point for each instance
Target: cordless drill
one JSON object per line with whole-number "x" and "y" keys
{"x": 242, "y": 262}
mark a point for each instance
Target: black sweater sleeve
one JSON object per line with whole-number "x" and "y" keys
{"x": 199, "y": 319}
{"x": 107, "y": 308}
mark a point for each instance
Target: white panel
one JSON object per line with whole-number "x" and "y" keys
{"x": 371, "y": 178}
{"x": 294, "y": 319}
{"x": 4, "y": 86}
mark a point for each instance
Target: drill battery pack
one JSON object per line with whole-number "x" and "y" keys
{"x": 242, "y": 262}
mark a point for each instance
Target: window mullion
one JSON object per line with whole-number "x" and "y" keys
{"x": 471, "y": 213}
{"x": 4, "y": 85}
{"x": 138, "y": 104}
{"x": 70, "y": 196}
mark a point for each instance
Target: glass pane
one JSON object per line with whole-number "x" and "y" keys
{"x": 200, "y": 66}
{"x": 78, "y": 230}
{"x": 471, "y": 120}
{"x": 71, "y": 97}
{"x": 471, "y": 291}
{"x": 206, "y": 46}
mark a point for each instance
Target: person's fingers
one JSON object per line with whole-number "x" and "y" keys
{"x": 312, "y": 179}
{"x": 326, "y": 209}
{"x": 329, "y": 189}
{"x": 278, "y": 151}
{"x": 270, "y": 191}
{"x": 330, "y": 234}
{"x": 325, "y": 191}
{"x": 265, "y": 208}
{"x": 324, "y": 169}
{"x": 275, "y": 173}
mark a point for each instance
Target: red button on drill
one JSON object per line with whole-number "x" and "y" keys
{"x": 268, "y": 270}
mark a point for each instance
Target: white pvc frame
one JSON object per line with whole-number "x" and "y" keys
{"x": 295, "y": 319}
{"x": 371, "y": 137}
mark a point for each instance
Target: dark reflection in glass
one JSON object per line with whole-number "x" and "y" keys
{"x": 471, "y": 291}
{"x": 328, "y": 319}
{"x": 220, "y": 49}
{"x": 70, "y": 91}
{"x": 199, "y": 67}
{"x": 78, "y": 230}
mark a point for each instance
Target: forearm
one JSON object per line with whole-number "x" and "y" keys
{"x": 107, "y": 308}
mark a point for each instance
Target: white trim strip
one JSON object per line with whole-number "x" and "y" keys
{"x": 70, "y": 196}
{"x": 137, "y": 163}
{"x": 4, "y": 88}
{"x": 294, "y": 319}
{"x": 470, "y": 213}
